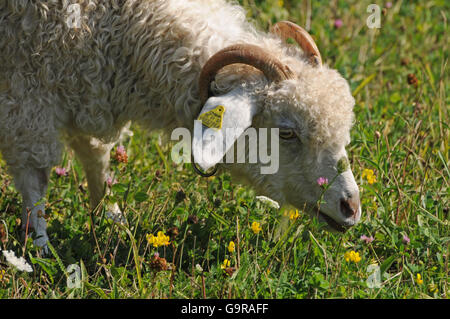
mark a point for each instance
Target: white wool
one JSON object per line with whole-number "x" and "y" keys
{"x": 132, "y": 60}
{"x": 140, "y": 60}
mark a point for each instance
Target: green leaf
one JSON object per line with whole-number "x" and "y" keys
{"x": 386, "y": 264}
{"x": 48, "y": 267}
{"x": 395, "y": 98}
{"x": 58, "y": 260}
{"x": 119, "y": 188}
{"x": 140, "y": 197}
{"x": 364, "y": 83}
{"x": 97, "y": 290}
{"x": 343, "y": 165}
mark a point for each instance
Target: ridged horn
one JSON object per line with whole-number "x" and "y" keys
{"x": 248, "y": 54}
{"x": 287, "y": 29}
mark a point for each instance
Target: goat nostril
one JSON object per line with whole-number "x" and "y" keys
{"x": 349, "y": 207}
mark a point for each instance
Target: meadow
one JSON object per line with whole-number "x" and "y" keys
{"x": 177, "y": 240}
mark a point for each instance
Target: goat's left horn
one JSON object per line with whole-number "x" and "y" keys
{"x": 249, "y": 54}
{"x": 287, "y": 29}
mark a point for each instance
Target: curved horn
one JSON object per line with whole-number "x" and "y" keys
{"x": 286, "y": 29}
{"x": 248, "y": 54}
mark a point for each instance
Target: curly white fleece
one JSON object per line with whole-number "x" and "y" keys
{"x": 137, "y": 60}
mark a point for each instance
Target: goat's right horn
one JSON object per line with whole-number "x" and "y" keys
{"x": 253, "y": 55}
{"x": 287, "y": 29}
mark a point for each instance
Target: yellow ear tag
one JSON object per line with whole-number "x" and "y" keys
{"x": 213, "y": 118}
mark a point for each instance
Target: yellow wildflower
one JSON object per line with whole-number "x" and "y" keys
{"x": 280, "y": 3}
{"x": 256, "y": 227}
{"x": 159, "y": 240}
{"x": 152, "y": 240}
{"x": 352, "y": 256}
{"x": 432, "y": 288}
{"x": 419, "y": 279}
{"x": 163, "y": 239}
{"x": 347, "y": 256}
{"x": 3, "y": 277}
{"x": 231, "y": 247}
{"x": 369, "y": 175}
{"x": 293, "y": 214}
{"x": 225, "y": 264}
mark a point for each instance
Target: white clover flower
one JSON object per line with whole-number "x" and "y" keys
{"x": 198, "y": 268}
{"x": 270, "y": 202}
{"x": 19, "y": 263}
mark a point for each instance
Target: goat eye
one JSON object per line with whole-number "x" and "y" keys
{"x": 287, "y": 134}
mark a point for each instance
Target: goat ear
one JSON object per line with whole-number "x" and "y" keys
{"x": 221, "y": 122}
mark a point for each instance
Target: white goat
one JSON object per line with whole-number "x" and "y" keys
{"x": 155, "y": 63}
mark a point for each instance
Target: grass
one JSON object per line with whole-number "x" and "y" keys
{"x": 401, "y": 134}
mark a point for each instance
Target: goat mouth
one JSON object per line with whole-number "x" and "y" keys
{"x": 334, "y": 225}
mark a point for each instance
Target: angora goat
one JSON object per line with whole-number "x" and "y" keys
{"x": 81, "y": 75}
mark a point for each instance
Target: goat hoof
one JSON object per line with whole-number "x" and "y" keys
{"x": 41, "y": 242}
{"x": 44, "y": 251}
